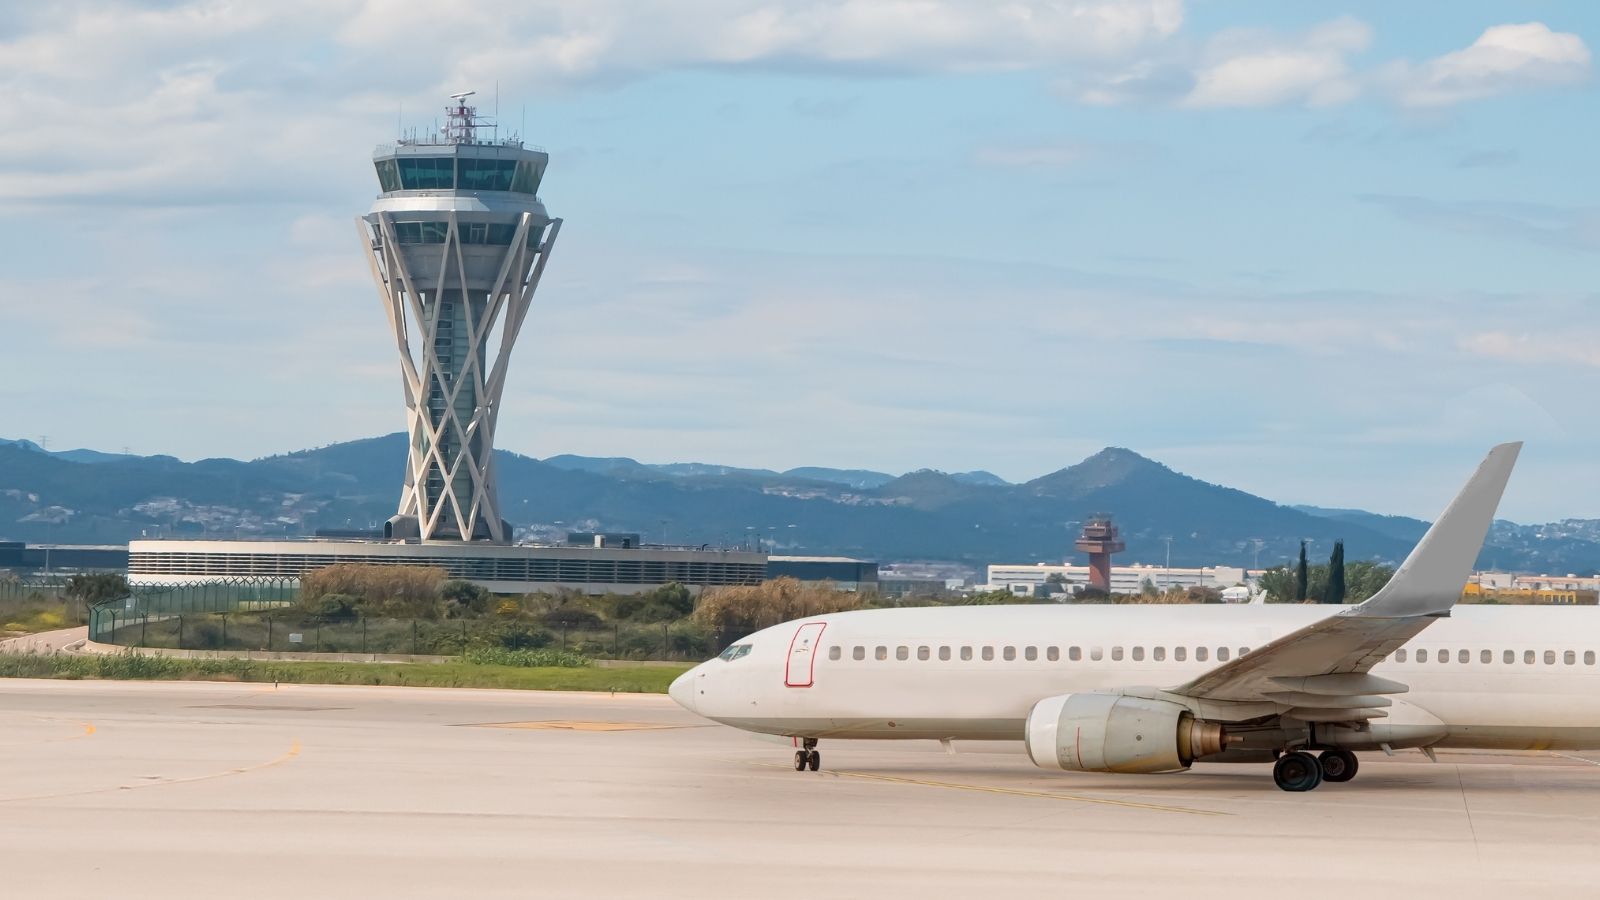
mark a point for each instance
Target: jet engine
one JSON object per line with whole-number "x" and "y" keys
{"x": 1112, "y": 733}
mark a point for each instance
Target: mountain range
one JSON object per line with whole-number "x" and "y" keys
{"x": 971, "y": 518}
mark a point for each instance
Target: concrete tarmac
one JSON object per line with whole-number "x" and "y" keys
{"x": 203, "y": 790}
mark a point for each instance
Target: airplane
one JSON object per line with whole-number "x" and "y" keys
{"x": 1153, "y": 688}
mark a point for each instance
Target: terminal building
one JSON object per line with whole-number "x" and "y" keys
{"x": 842, "y": 572}
{"x": 504, "y": 569}
{"x": 52, "y": 559}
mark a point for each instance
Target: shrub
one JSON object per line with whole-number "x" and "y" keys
{"x": 732, "y": 611}
{"x": 500, "y": 656}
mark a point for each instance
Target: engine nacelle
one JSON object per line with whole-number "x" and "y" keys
{"x": 1112, "y": 733}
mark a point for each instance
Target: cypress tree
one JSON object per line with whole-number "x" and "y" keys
{"x": 1302, "y": 576}
{"x": 1335, "y": 592}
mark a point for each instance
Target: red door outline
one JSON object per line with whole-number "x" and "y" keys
{"x": 799, "y": 668}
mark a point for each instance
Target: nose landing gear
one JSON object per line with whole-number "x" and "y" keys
{"x": 809, "y": 757}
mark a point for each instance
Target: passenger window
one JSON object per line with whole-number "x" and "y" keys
{"x": 944, "y": 654}
{"x": 1549, "y": 657}
{"x": 1422, "y": 656}
{"x": 1588, "y": 657}
{"x": 923, "y": 653}
{"x": 1527, "y": 657}
{"x": 1510, "y": 657}
{"x": 1075, "y": 654}
{"x": 1180, "y": 654}
{"x": 1444, "y": 656}
{"x": 1400, "y": 655}
{"x": 1053, "y": 654}
{"x": 881, "y": 653}
{"x": 902, "y": 653}
{"x": 1243, "y": 650}
{"x": 1222, "y": 654}
{"x": 1570, "y": 658}
{"x": 988, "y": 654}
{"x": 1030, "y": 653}
{"x": 1095, "y": 653}
{"x": 1116, "y": 653}
{"x": 1464, "y": 657}
{"x": 858, "y": 653}
{"x": 1160, "y": 654}
{"x": 835, "y": 652}
{"x": 1010, "y": 653}
{"x": 1200, "y": 654}
{"x": 1138, "y": 654}
{"x": 1486, "y": 657}
{"x": 966, "y": 654}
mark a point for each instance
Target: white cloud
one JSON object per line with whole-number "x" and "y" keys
{"x": 1503, "y": 59}
{"x": 202, "y": 100}
{"x": 604, "y": 39}
{"x": 1541, "y": 350}
{"x": 1257, "y": 69}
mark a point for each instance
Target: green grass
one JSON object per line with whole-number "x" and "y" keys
{"x": 631, "y": 679}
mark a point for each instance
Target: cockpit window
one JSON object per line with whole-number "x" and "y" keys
{"x": 734, "y": 652}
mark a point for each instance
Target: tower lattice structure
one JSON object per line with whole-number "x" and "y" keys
{"x": 457, "y": 241}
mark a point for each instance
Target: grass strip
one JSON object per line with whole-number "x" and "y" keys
{"x": 127, "y": 666}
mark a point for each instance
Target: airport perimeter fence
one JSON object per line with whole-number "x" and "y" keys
{"x": 264, "y": 615}
{"x": 287, "y": 630}
{"x": 53, "y": 588}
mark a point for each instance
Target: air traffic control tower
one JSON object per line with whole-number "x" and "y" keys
{"x": 457, "y": 241}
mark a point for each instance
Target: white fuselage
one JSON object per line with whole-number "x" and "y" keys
{"x": 1515, "y": 677}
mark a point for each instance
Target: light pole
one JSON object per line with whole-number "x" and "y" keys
{"x": 1167, "y": 575}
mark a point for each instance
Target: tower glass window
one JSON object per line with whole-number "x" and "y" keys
{"x": 427, "y": 173}
{"x": 485, "y": 174}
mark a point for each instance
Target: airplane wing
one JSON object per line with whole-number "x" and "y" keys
{"x": 1322, "y": 671}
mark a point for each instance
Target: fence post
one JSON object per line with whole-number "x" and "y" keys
{"x": 144, "y": 623}
{"x": 664, "y": 647}
{"x": 180, "y": 632}
{"x": 319, "y": 633}
{"x": 463, "y": 636}
{"x": 413, "y": 637}
{"x": 616, "y": 640}
{"x": 269, "y": 634}
{"x": 224, "y": 631}
{"x": 363, "y": 634}
{"x": 563, "y": 637}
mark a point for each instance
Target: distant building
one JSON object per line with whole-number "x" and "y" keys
{"x": 502, "y": 568}
{"x": 65, "y": 558}
{"x": 1033, "y": 579}
{"x": 1558, "y": 591}
{"x": 842, "y": 572}
{"x": 895, "y": 587}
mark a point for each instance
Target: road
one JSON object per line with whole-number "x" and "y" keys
{"x": 191, "y": 790}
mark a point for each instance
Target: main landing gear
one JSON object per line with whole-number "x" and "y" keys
{"x": 809, "y": 757}
{"x": 1301, "y": 771}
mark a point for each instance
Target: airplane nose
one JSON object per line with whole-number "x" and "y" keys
{"x": 682, "y": 689}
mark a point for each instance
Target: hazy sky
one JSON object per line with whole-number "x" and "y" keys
{"x": 1326, "y": 253}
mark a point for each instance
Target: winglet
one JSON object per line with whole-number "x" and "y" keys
{"x": 1430, "y": 581}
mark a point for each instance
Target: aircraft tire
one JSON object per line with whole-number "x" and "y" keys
{"x": 1298, "y": 771}
{"x": 814, "y": 762}
{"x": 1338, "y": 765}
{"x": 801, "y": 757}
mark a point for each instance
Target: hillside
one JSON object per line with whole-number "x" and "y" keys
{"x": 973, "y": 518}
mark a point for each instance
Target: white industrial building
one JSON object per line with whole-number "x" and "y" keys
{"x": 1028, "y": 579}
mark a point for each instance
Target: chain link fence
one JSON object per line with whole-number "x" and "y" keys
{"x": 266, "y": 616}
